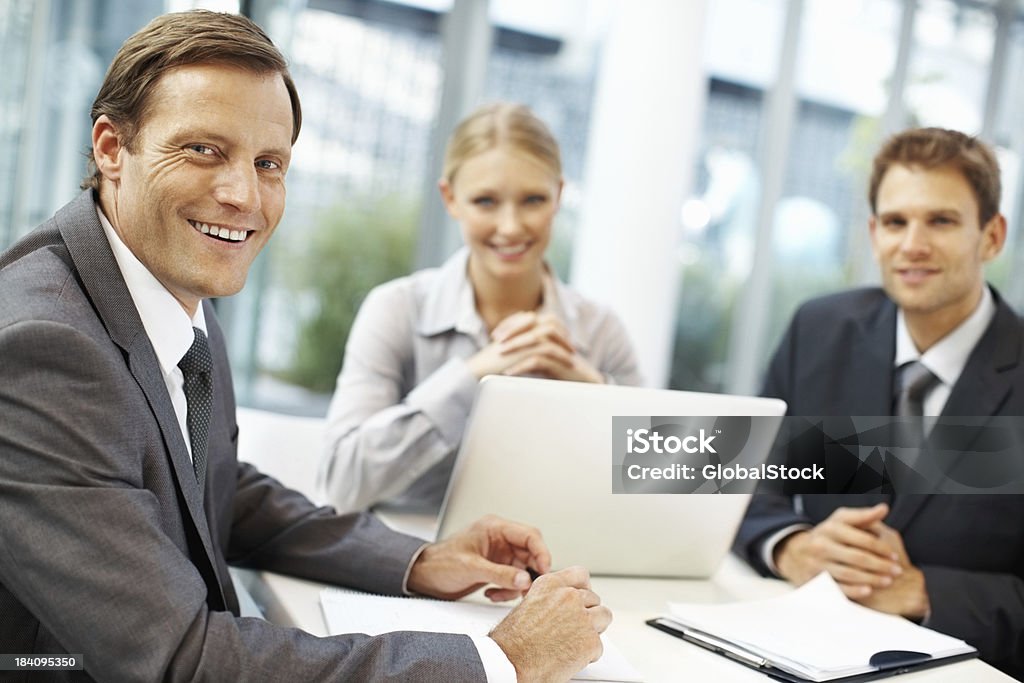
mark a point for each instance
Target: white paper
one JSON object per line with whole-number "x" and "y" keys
{"x": 351, "y": 612}
{"x": 814, "y": 631}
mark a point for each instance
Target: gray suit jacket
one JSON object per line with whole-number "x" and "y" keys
{"x": 105, "y": 546}
{"x": 836, "y": 359}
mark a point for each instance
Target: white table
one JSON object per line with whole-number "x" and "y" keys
{"x": 658, "y": 656}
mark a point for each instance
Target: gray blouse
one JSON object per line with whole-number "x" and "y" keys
{"x": 404, "y": 393}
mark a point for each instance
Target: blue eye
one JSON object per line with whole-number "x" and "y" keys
{"x": 205, "y": 150}
{"x": 536, "y": 199}
{"x": 484, "y": 202}
{"x": 268, "y": 165}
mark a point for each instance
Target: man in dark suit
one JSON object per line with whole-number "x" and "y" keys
{"x": 121, "y": 497}
{"x": 954, "y": 562}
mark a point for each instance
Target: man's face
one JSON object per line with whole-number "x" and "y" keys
{"x": 204, "y": 188}
{"x": 928, "y": 242}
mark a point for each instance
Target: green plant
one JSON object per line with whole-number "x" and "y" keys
{"x": 705, "y": 310}
{"x": 352, "y": 248}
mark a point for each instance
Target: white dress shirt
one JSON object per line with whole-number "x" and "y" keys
{"x": 947, "y": 357}
{"x": 167, "y": 325}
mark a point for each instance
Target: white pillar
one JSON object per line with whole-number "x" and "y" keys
{"x": 642, "y": 148}
{"x": 750, "y": 318}
{"x": 466, "y": 36}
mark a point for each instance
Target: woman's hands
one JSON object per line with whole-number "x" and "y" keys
{"x": 529, "y": 343}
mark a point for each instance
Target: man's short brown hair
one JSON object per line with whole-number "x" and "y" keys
{"x": 176, "y": 40}
{"x": 930, "y": 148}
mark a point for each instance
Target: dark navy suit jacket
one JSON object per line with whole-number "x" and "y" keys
{"x": 836, "y": 359}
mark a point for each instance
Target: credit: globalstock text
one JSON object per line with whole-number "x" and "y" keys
{"x": 726, "y": 472}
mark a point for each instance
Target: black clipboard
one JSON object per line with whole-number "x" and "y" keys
{"x": 889, "y": 663}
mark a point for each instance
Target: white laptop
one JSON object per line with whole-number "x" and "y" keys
{"x": 540, "y": 452}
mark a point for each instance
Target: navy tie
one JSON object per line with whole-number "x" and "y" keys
{"x": 196, "y": 366}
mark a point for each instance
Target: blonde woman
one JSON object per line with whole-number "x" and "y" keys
{"x": 420, "y": 344}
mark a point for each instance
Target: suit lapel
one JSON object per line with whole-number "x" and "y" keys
{"x": 102, "y": 280}
{"x": 146, "y": 370}
{"x": 870, "y": 377}
{"x": 869, "y": 370}
{"x": 981, "y": 390}
{"x": 866, "y": 385}
{"x": 903, "y": 507}
{"x": 984, "y": 385}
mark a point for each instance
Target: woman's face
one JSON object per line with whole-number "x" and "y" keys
{"x": 505, "y": 202}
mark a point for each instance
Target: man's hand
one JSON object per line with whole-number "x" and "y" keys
{"x": 529, "y": 343}
{"x": 907, "y": 596}
{"x": 847, "y": 545}
{"x": 556, "y": 630}
{"x": 491, "y": 551}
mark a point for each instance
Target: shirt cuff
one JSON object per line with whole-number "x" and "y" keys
{"x": 768, "y": 546}
{"x": 408, "y": 570}
{"x": 496, "y": 665}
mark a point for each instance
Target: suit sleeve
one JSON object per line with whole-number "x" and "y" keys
{"x": 379, "y": 438}
{"x": 280, "y": 530}
{"x": 87, "y": 548}
{"x": 769, "y": 513}
{"x": 985, "y": 609}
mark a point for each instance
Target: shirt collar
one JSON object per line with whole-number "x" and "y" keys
{"x": 167, "y": 325}
{"x": 450, "y": 304}
{"x": 948, "y": 356}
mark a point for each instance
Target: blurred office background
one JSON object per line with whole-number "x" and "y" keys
{"x": 716, "y": 153}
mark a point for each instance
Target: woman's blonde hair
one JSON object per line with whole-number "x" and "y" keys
{"x": 498, "y": 124}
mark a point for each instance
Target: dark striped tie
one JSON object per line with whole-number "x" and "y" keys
{"x": 196, "y": 366}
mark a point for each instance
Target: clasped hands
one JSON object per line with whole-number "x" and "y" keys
{"x": 864, "y": 555}
{"x": 529, "y": 343}
{"x": 555, "y": 631}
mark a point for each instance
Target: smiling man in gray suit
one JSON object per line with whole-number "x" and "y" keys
{"x": 953, "y": 562}
{"x": 121, "y": 497}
